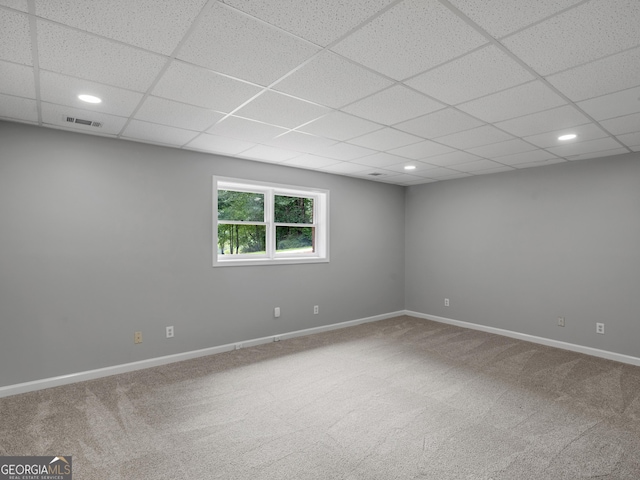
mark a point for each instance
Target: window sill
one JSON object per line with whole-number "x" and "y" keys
{"x": 251, "y": 262}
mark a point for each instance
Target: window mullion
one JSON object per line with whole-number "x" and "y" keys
{"x": 269, "y": 218}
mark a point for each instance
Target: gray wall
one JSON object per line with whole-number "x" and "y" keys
{"x": 516, "y": 250}
{"x": 101, "y": 237}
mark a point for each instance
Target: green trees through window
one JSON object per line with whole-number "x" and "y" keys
{"x": 292, "y": 211}
{"x": 236, "y": 238}
{"x": 269, "y": 223}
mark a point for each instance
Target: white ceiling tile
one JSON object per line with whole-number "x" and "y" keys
{"x": 590, "y": 146}
{"x": 219, "y": 144}
{"x": 375, "y": 174}
{"x": 128, "y": 21}
{"x": 235, "y": 44}
{"x": 421, "y": 182}
{"x": 613, "y": 105}
{"x": 203, "y": 88}
{"x": 310, "y": 161}
{"x": 420, "y": 150}
{"x": 584, "y": 33}
{"x": 57, "y": 115}
{"x": 16, "y": 38}
{"x": 517, "y": 101}
{"x": 318, "y": 22}
{"x": 489, "y": 171}
{"x": 17, "y": 80}
{"x": 540, "y": 163}
{"x": 247, "y": 130}
{"x": 503, "y": 148}
{"x": 452, "y": 159}
{"x": 300, "y": 142}
{"x": 18, "y": 108}
{"x": 601, "y": 77}
{"x": 421, "y": 167}
{"x": 409, "y": 38}
{"x": 630, "y": 139}
{"x": 340, "y": 126}
{"x": 78, "y": 54}
{"x": 393, "y": 105}
{"x": 385, "y": 139}
{"x": 440, "y": 123}
{"x": 278, "y": 109}
{"x": 269, "y": 154}
{"x": 331, "y": 80}
{"x": 600, "y": 154}
{"x": 500, "y": 17}
{"x": 151, "y": 132}
{"x": 439, "y": 173}
{"x": 345, "y": 151}
{"x": 622, "y": 125}
{"x": 174, "y": 114}
{"x": 526, "y": 157}
{"x": 492, "y": 70}
{"x": 589, "y": 131}
{"x": 344, "y": 168}
{"x": 479, "y": 165}
{"x": 402, "y": 179}
{"x": 380, "y": 160}
{"x": 456, "y": 175}
{"x": 546, "y": 121}
{"x": 21, "y": 5}
{"x": 63, "y": 90}
{"x": 475, "y": 137}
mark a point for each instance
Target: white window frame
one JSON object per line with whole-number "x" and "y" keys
{"x": 270, "y": 190}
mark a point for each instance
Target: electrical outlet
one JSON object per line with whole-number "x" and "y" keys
{"x": 276, "y": 312}
{"x": 169, "y": 332}
{"x": 316, "y": 309}
{"x": 600, "y": 328}
{"x": 137, "y": 337}
{"x": 561, "y": 321}
{"x": 446, "y": 302}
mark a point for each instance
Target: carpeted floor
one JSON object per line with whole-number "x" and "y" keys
{"x": 397, "y": 399}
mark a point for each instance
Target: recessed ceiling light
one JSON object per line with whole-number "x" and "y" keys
{"x": 569, "y": 136}
{"x": 410, "y": 167}
{"x": 89, "y": 99}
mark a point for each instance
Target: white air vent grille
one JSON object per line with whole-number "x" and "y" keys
{"x": 81, "y": 121}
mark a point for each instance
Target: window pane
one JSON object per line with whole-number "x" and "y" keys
{"x": 242, "y": 239}
{"x": 295, "y": 239}
{"x": 240, "y": 206}
{"x": 293, "y": 209}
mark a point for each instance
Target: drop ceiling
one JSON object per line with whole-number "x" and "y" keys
{"x": 363, "y": 88}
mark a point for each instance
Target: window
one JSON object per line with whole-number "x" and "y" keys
{"x": 264, "y": 224}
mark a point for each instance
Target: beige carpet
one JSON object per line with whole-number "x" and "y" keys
{"x": 397, "y": 399}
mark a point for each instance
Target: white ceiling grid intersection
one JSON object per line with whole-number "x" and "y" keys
{"x": 455, "y": 88}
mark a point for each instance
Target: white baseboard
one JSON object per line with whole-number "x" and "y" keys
{"x": 618, "y": 357}
{"x": 178, "y": 357}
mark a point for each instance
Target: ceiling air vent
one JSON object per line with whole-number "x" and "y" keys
{"x": 376, "y": 174}
{"x": 88, "y": 123}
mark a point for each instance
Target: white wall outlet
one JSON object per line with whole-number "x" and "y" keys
{"x": 316, "y": 309}
{"x": 169, "y": 332}
{"x": 276, "y": 312}
{"x": 561, "y": 321}
{"x": 600, "y": 328}
{"x": 137, "y": 337}
{"x": 446, "y": 302}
